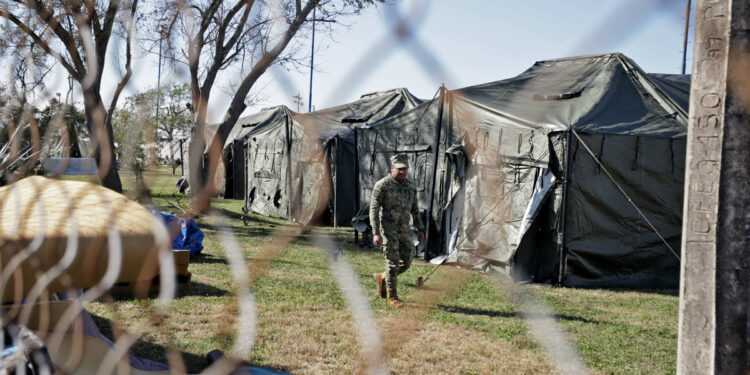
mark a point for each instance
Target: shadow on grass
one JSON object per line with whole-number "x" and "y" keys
{"x": 249, "y": 218}
{"x": 196, "y": 289}
{"x": 200, "y": 289}
{"x": 207, "y": 259}
{"x": 144, "y": 349}
{"x": 514, "y": 314}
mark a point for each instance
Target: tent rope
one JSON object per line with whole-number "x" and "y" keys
{"x": 625, "y": 194}
{"x": 419, "y": 121}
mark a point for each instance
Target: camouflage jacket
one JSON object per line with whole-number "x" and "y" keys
{"x": 390, "y": 205}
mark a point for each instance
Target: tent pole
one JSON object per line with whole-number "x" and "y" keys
{"x": 182, "y": 161}
{"x": 435, "y": 153}
{"x": 356, "y": 180}
{"x": 335, "y": 181}
{"x": 288, "y": 137}
{"x": 562, "y": 247}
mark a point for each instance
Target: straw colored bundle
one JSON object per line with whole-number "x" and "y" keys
{"x": 42, "y": 220}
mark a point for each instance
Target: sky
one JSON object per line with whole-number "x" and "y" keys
{"x": 458, "y": 43}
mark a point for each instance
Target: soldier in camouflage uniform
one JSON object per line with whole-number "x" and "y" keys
{"x": 393, "y": 199}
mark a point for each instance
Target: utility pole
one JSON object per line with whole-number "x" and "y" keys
{"x": 715, "y": 270}
{"x": 297, "y": 100}
{"x": 685, "y": 36}
{"x": 312, "y": 65}
{"x": 158, "y": 91}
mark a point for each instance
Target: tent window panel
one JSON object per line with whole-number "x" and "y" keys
{"x": 658, "y": 156}
{"x": 634, "y": 165}
{"x": 520, "y": 142}
{"x": 420, "y": 176}
{"x": 499, "y": 144}
{"x": 531, "y": 143}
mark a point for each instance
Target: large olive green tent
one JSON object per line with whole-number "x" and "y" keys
{"x": 570, "y": 173}
{"x": 301, "y": 166}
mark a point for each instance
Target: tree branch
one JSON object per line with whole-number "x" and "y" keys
{"x": 42, "y": 44}
{"x": 238, "y": 102}
{"x": 102, "y": 36}
{"x": 128, "y": 67}
{"x": 64, "y": 35}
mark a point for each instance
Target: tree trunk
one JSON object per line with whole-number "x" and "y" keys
{"x": 102, "y": 138}
{"x": 195, "y": 160}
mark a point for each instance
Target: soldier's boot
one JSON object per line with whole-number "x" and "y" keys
{"x": 380, "y": 281}
{"x": 393, "y": 300}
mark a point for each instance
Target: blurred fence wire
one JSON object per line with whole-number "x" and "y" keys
{"x": 70, "y": 223}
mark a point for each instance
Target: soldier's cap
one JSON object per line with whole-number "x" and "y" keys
{"x": 400, "y": 161}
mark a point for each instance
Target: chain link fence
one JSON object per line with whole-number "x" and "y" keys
{"x": 66, "y": 244}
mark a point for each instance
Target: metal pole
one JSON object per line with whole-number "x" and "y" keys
{"x": 335, "y": 182}
{"x": 685, "y": 36}
{"x": 288, "y": 136}
{"x": 182, "y": 161}
{"x": 171, "y": 154}
{"x": 562, "y": 227}
{"x": 356, "y": 180}
{"x": 158, "y": 94}
{"x": 435, "y": 154}
{"x": 312, "y": 65}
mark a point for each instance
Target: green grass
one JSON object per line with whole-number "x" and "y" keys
{"x": 469, "y": 324}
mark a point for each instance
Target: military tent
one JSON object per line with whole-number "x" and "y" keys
{"x": 234, "y": 148}
{"x": 301, "y": 166}
{"x": 229, "y": 176}
{"x": 570, "y": 173}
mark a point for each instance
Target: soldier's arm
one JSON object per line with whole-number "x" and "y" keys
{"x": 375, "y": 204}
{"x": 415, "y": 214}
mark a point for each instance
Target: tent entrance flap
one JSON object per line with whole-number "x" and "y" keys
{"x": 542, "y": 188}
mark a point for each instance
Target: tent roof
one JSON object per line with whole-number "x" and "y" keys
{"x": 605, "y": 94}
{"x": 257, "y": 122}
{"x": 370, "y": 108}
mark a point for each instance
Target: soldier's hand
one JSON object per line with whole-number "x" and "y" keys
{"x": 377, "y": 240}
{"x": 420, "y": 237}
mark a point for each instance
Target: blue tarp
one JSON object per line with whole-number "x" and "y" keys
{"x": 184, "y": 233}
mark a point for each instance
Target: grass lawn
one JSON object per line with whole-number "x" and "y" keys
{"x": 463, "y": 322}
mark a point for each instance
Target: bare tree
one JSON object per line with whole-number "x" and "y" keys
{"x": 76, "y": 34}
{"x": 209, "y": 36}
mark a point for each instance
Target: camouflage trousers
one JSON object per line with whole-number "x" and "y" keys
{"x": 397, "y": 248}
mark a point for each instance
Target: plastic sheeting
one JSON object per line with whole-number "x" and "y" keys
{"x": 184, "y": 233}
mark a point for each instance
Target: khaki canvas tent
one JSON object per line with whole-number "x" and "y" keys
{"x": 234, "y": 148}
{"x": 229, "y": 175}
{"x": 570, "y": 173}
{"x": 301, "y": 166}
